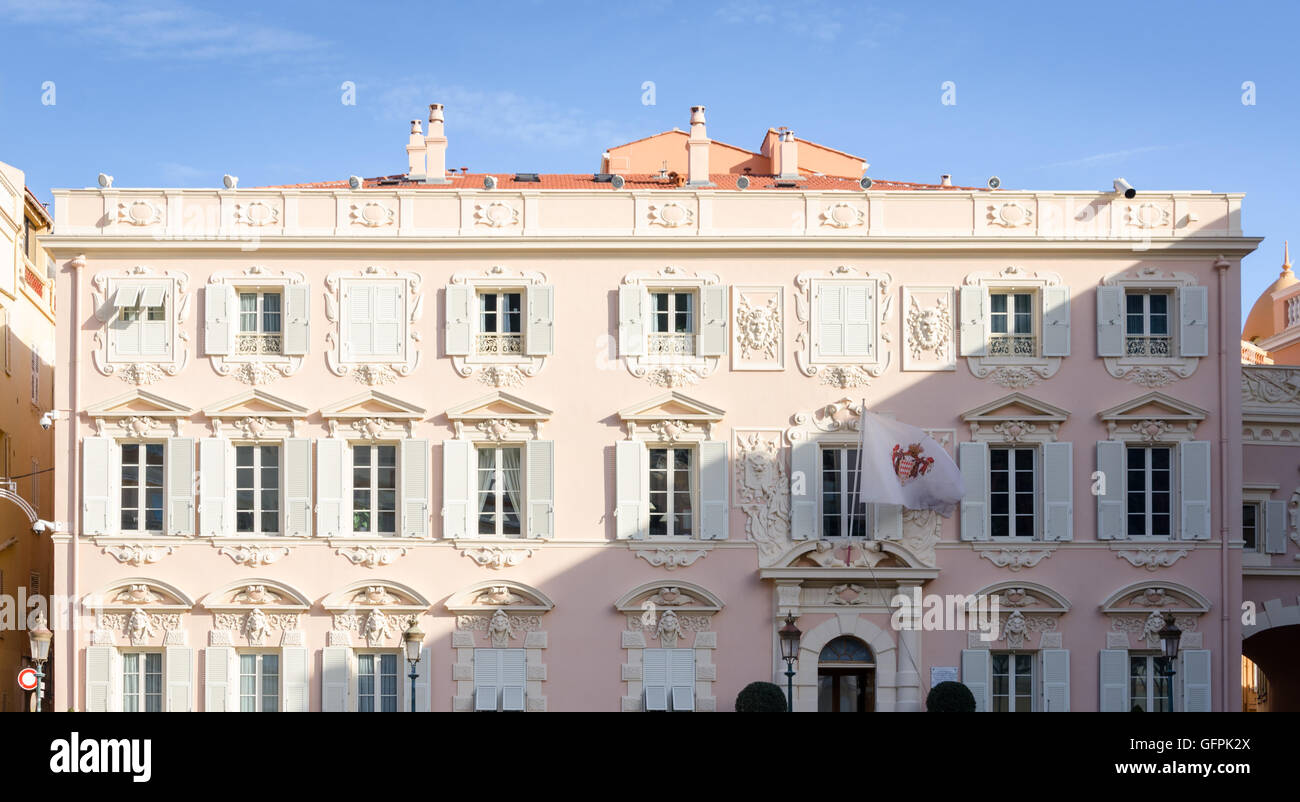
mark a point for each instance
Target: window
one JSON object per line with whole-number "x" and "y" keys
{"x": 1012, "y": 491}
{"x": 500, "y": 502}
{"x": 672, "y": 324}
{"x": 259, "y": 323}
{"x": 1146, "y": 324}
{"x": 669, "y": 680}
{"x": 140, "y": 327}
{"x": 4, "y": 324}
{"x": 257, "y": 489}
{"x": 1150, "y": 683}
{"x": 842, "y": 516}
{"x": 671, "y": 492}
{"x": 499, "y": 680}
{"x": 1011, "y": 324}
{"x": 1149, "y": 473}
{"x": 845, "y": 313}
{"x": 259, "y": 683}
{"x": 142, "y": 682}
{"x": 374, "y": 320}
{"x": 374, "y": 489}
{"x": 377, "y": 683}
{"x": 500, "y": 320}
{"x": 1013, "y": 682}
{"x": 36, "y": 377}
{"x": 142, "y": 487}
{"x": 1292, "y": 312}
{"x": 1250, "y": 519}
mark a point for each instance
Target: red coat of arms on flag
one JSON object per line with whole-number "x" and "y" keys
{"x": 908, "y": 463}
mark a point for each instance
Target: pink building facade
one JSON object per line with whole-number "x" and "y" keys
{"x": 595, "y": 434}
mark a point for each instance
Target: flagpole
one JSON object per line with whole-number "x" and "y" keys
{"x": 856, "y": 496}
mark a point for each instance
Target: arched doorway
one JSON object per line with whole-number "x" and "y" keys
{"x": 846, "y": 677}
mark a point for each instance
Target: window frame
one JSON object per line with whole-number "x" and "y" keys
{"x": 1036, "y": 493}
{"x": 373, "y": 510}
{"x": 1035, "y": 313}
{"x": 1173, "y": 491}
{"x": 868, "y": 518}
{"x": 141, "y": 674}
{"x": 499, "y": 485}
{"x": 1012, "y": 675}
{"x": 258, "y": 512}
{"x": 376, "y": 697}
{"x": 1171, "y": 304}
{"x": 263, "y": 335}
{"x": 130, "y": 319}
{"x": 141, "y": 465}
{"x": 692, "y": 312}
{"x": 1150, "y": 659}
{"x": 817, "y": 355}
{"x": 694, "y": 481}
{"x": 259, "y": 695}
{"x": 501, "y": 293}
{"x": 347, "y": 350}
{"x": 1256, "y": 526}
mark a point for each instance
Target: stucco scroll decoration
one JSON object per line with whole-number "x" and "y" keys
{"x": 373, "y": 373}
{"x": 496, "y": 214}
{"x": 254, "y": 369}
{"x": 1152, "y": 559}
{"x": 1151, "y": 371}
{"x": 139, "y": 212}
{"x": 1272, "y": 386}
{"x": 1011, "y": 214}
{"x": 843, "y": 215}
{"x": 137, "y": 370}
{"x": 138, "y": 553}
{"x": 1016, "y": 372}
{"x": 497, "y": 556}
{"x": 1014, "y": 558}
{"x": 253, "y": 555}
{"x": 371, "y": 214}
{"x": 1147, "y": 215}
{"x": 499, "y": 371}
{"x": 671, "y": 558}
{"x": 763, "y": 493}
{"x": 256, "y": 213}
{"x": 842, "y": 372}
{"x": 671, "y": 214}
{"x": 670, "y": 370}
{"x": 371, "y": 556}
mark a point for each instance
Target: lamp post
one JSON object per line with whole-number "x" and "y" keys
{"x": 413, "y": 640}
{"x": 39, "y": 638}
{"x": 1169, "y": 636}
{"x": 789, "y": 652}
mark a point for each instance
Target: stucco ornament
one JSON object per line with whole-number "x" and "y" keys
{"x": 371, "y": 556}
{"x": 371, "y": 214}
{"x": 499, "y": 629}
{"x": 499, "y": 596}
{"x": 929, "y": 331}
{"x": 138, "y": 553}
{"x": 256, "y": 213}
{"x": 1151, "y": 559}
{"x": 763, "y": 494}
{"x": 1147, "y": 215}
{"x": 256, "y": 594}
{"x": 377, "y": 629}
{"x": 1014, "y": 378}
{"x": 1011, "y": 214}
{"x": 758, "y": 328}
{"x": 668, "y": 629}
{"x": 1014, "y": 630}
{"x": 139, "y": 212}
{"x": 251, "y": 555}
{"x": 671, "y": 215}
{"x": 502, "y": 376}
{"x": 139, "y": 628}
{"x": 921, "y": 531}
{"x": 139, "y": 373}
{"x": 496, "y": 556}
{"x": 497, "y": 214}
{"x": 138, "y": 594}
{"x": 256, "y": 628}
{"x": 843, "y": 215}
{"x": 1015, "y": 559}
{"x": 671, "y": 558}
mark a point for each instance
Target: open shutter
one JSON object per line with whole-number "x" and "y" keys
{"x": 1197, "y": 695}
{"x": 714, "y": 518}
{"x": 539, "y": 323}
{"x": 1056, "y": 321}
{"x": 1194, "y": 323}
{"x": 297, "y": 487}
{"x": 99, "y": 479}
{"x": 216, "y": 499}
{"x": 423, "y": 683}
{"x": 459, "y": 328}
{"x": 333, "y": 505}
{"x": 975, "y": 675}
{"x": 1058, "y": 491}
{"x": 713, "y": 320}
{"x": 654, "y": 678}
{"x": 457, "y": 493}
{"x": 1110, "y": 321}
{"x": 1110, "y": 505}
{"x": 220, "y": 680}
{"x": 681, "y": 675}
{"x": 829, "y": 338}
{"x": 631, "y": 320}
{"x": 336, "y": 667}
{"x": 220, "y": 307}
{"x": 297, "y": 319}
{"x": 1114, "y": 681}
{"x": 888, "y": 521}
{"x": 539, "y": 471}
{"x": 803, "y": 479}
{"x": 414, "y": 461}
{"x": 487, "y": 679}
{"x": 1194, "y": 479}
{"x": 513, "y": 679}
{"x": 974, "y": 460}
{"x": 1056, "y": 680}
{"x": 859, "y": 317}
{"x": 387, "y": 320}
{"x": 974, "y": 322}
{"x": 179, "y": 664}
{"x": 99, "y": 678}
{"x": 180, "y": 485}
{"x": 293, "y": 664}
{"x": 1275, "y": 527}
{"x": 630, "y": 509}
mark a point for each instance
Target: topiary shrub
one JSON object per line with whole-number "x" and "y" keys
{"x": 950, "y": 697}
{"x": 761, "y": 697}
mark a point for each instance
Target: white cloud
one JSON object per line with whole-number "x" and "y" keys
{"x": 812, "y": 19}
{"x": 1103, "y": 158}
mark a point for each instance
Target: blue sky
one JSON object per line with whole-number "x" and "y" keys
{"x": 1059, "y": 96}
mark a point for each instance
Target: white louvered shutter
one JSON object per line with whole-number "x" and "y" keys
{"x": 336, "y": 668}
{"x": 631, "y": 320}
{"x": 514, "y": 674}
{"x": 178, "y": 663}
{"x": 1194, "y": 322}
{"x": 220, "y": 308}
{"x": 294, "y": 671}
{"x": 975, "y": 672}
{"x": 1194, "y": 481}
{"x": 828, "y": 339}
{"x": 1110, "y": 321}
{"x": 220, "y": 680}
{"x": 100, "y": 477}
{"x": 1110, "y": 505}
{"x": 888, "y": 521}
{"x": 630, "y": 508}
{"x": 216, "y": 493}
{"x": 681, "y": 677}
{"x": 333, "y": 502}
{"x": 974, "y": 463}
{"x": 457, "y": 489}
{"x": 1056, "y": 680}
{"x": 1114, "y": 681}
{"x": 1058, "y": 491}
{"x": 358, "y": 303}
{"x": 1197, "y": 693}
{"x": 713, "y": 320}
{"x": 859, "y": 319}
{"x": 539, "y": 321}
{"x": 297, "y": 486}
{"x": 155, "y": 335}
{"x": 180, "y": 486}
{"x": 1056, "y": 321}
{"x": 1274, "y": 527}
{"x": 539, "y": 472}
{"x": 804, "y": 456}
{"x": 458, "y": 332}
{"x": 714, "y": 518}
{"x": 974, "y": 322}
{"x": 654, "y": 678}
{"x": 388, "y": 320}
{"x": 297, "y": 320}
{"x": 100, "y": 681}
{"x": 487, "y": 679}
{"x": 414, "y": 462}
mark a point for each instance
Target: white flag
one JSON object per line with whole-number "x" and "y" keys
{"x": 900, "y": 464}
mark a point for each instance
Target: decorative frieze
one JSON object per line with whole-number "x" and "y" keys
{"x": 138, "y": 554}
{"x": 1015, "y": 558}
{"x": 371, "y": 556}
{"x": 671, "y": 558}
{"x": 497, "y": 557}
{"x": 253, "y": 555}
{"x": 1151, "y": 558}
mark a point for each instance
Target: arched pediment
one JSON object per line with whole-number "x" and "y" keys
{"x": 247, "y": 594}
{"x": 669, "y": 594}
{"x": 1027, "y": 597}
{"x": 370, "y": 593}
{"x": 140, "y": 592}
{"x": 839, "y": 554}
{"x": 1155, "y": 596}
{"x": 483, "y": 597}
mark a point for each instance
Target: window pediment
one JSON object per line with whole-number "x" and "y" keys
{"x": 1156, "y": 596}
{"x": 263, "y": 594}
{"x": 1153, "y": 416}
{"x": 497, "y": 595}
{"x": 139, "y": 414}
{"x": 1015, "y": 418}
{"x": 681, "y": 597}
{"x": 671, "y": 416}
{"x": 372, "y": 415}
{"x": 1026, "y": 597}
{"x": 374, "y": 594}
{"x": 256, "y": 414}
{"x": 498, "y": 416}
{"x": 136, "y": 592}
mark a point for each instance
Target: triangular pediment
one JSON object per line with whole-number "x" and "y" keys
{"x": 1016, "y": 406}
{"x": 499, "y": 405}
{"x": 672, "y": 406}
{"x": 139, "y": 402}
{"x": 1154, "y": 406}
{"x": 373, "y": 405}
{"x": 255, "y": 402}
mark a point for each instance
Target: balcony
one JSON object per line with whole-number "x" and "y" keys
{"x": 258, "y": 344}
{"x": 1011, "y": 345}
{"x": 671, "y": 345}
{"x": 499, "y": 344}
{"x": 1157, "y": 346}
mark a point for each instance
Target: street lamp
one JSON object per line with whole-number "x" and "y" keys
{"x": 413, "y": 640}
{"x": 1169, "y": 636}
{"x": 39, "y": 638}
{"x": 789, "y": 652}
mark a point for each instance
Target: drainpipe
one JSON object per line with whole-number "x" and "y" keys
{"x": 72, "y": 515}
{"x": 1221, "y": 266}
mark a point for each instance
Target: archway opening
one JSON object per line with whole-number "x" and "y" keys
{"x": 846, "y": 677}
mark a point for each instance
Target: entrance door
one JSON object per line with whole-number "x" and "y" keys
{"x": 846, "y": 677}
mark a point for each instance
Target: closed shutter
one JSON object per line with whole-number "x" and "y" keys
{"x": 713, "y": 320}
{"x": 539, "y": 324}
{"x": 99, "y": 678}
{"x": 1197, "y": 696}
{"x": 297, "y": 319}
{"x": 1275, "y": 527}
{"x": 714, "y": 518}
{"x": 415, "y": 487}
{"x": 829, "y": 337}
{"x": 859, "y": 318}
{"x": 630, "y": 509}
{"x": 1194, "y": 328}
{"x": 179, "y": 665}
{"x": 423, "y": 683}
{"x": 336, "y": 668}
{"x": 681, "y": 676}
{"x": 487, "y": 679}
{"x": 1056, "y": 680}
{"x": 1058, "y": 491}
{"x": 804, "y": 455}
{"x": 220, "y": 680}
{"x": 1110, "y": 321}
{"x": 216, "y": 496}
{"x": 975, "y": 675}
{"x": 297, "y": 487}
{"x": 155, "y": 335}
{"x": 358, "y": 302}
{"x": 514, "y": 674}
{"x": 974, "y": 459}
{"x": 1110, "y": 504}
{"x": 457, "y": 490}
{"x": 388, "y": 319}
{"x": 1194, "y": 480}
{"x": 219, "y": 309}
{"x": 539, "y": 471}
{"x": 333, "y": 502}
{"x": 888, "y": 521}
{"x": 1114, "y": 681}
{"x": 974, "y": 322}
{"x": 297, "y": 693}
{"x": 180, "y": 486}
{"x": 458, "y": 332}
{"x": 1056, "y": 321}
{"x": 631, "y": 320}
{"x": 100, "y": 478}
{"x": 654, "y": 678}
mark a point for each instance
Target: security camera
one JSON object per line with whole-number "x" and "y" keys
{"x": 48, "y": 419}
{"x": 43, "y": 525}
{"x": 1124, "y": 188}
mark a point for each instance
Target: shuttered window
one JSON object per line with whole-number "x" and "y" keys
{"x": 1013, "y": 489}
{"x": 140, "y": 327}
{"x": 374, "y": 489}
{"x": 1013, "y": 682}
{"x": 1150, "y": 683}
{"x": 1250, "y": 519}
{"x": 841, "y": 515}
{"x": 142, "y": 488}
{"x": 374, "y": 320}
{"x": 257, "y": 490}
{"x": 500, "y": 491}
{"x": 142, "y": 682}
{"x": 259, "y": 683}
{"x": 1011, "y": 324}
{"x": 672, "y": 324}
{"x": 672, "y": 492}
{"x": 500, "y": 324}
{"x": 1149, "y": 490}
{"x": 377, "y": 683}
{"x": 260, "y": 323}
{"x": 668, "y": 676}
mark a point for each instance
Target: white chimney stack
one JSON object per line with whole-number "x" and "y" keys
{"x": 945, "y": 180}
{"x": 435, "y": 147}
{"x": 415, "y": 153}
{"x": 787, "y": 156}
{"x": 697, "y": 151}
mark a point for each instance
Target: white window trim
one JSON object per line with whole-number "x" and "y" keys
{"x": 1154, "y": 371}
{"x": 674, "y": 445}
{"x": 838, "y": 442}
{"x": 522, "y": 512}
{"x": 247, "y": 367}
{"x": 1037, "y": 536}
{"x": 501, "y": 293}
{"x": 670, "y": 370}
{"x": 235, "y": 445}
{"x": 177, "y": 303}
{"x": 1176, "y": 689}
{"x": 139, "y": 531}
{"x": 403, "y": 667}
{"x": 350, "y": 473}
{"x": 641, "y": 611}
{"x": 1034, "y": 671}
{"x": 259, "y": 686}
{"x": 840, "y": 371}
{"x": 500, "y": 371}
{"x": 1174, "y": 495}
{"x": 1171, "y": 306}
{"x": 122, "y": 674}
{"x": 372, "y": 370}
{"x": 1009, "y": 371}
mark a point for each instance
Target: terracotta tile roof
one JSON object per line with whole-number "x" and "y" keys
{"x": 640, "y": 181}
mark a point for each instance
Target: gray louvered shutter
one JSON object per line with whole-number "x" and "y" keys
{"x": 1110, "y": 505}
{"x": 539, "y": 472}
{"x": 457, "y": 489}
{"x": 888, "y": 521}
{"x": 1056, "y": 321}
{"x": 975, "y": 671}
{"x": 713, "y": 320}
{"x": 414, "y": 461}
{"x": 1058, "y": 491}
{"x": 714, "y": 516}
{"x": 297, "y": 319}
{"x": 458, "y": 339}
{"x": 1114, "y": 681}
{"x": 804, "y": 457}
{"x": 974, "y": 322}
{"x": 974, "y": 463}
{"x": 1194, "y": 322}
{"x": 1056, "y": 680}
{"x": 630, "y": 508}
{"x": 631, "y": 320}
{"x": 297, "y": 486}
{"x": 1194, "y": 481}
{"x": 1197, "y": 693}
{"x": 1110, "y": 321}
{"x": 1274, "y": 527}
{"x": 539, "y": 320}
{"x": 180, "y": 485}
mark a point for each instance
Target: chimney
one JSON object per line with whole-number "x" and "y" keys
{"x": 435, "y": 147}
{"x": 787, "y": 156}
{"x": 945, "y": 180}
{"x": 697, "y": 151}
{"x": 415, "y": 153}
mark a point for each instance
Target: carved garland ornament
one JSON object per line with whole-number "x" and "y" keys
{"x": 763, "y": 493}
{"x": 671, "y": 558}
